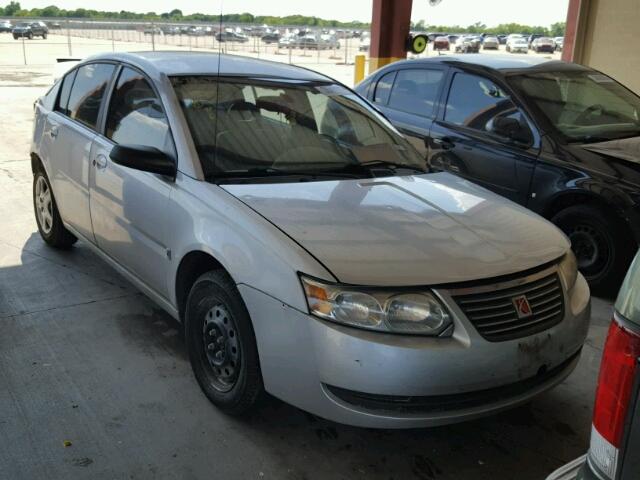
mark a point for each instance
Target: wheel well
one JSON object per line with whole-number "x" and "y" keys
{"x": 36, "y": 163}
{"x": 570, "y": 199}
{"x": 192, "y": 265}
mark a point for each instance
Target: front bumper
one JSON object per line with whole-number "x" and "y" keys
{"x": 310, "y": 363}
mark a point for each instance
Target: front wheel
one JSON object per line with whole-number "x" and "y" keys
{"x": 221, "y": 344}
{"x": 601, "y": 243}
{"x": 44, "y": 36}
{"x": 50, "y": 225}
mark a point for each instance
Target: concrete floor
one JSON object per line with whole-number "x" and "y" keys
{"x": 85, "y": 358}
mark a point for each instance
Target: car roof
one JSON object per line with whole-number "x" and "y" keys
{"x": 501, "y": 63}
{"x": 199, "y": 63}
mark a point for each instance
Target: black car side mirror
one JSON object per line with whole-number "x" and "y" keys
{"x": 512, "y": 129}
{"x": 146, "y": 159}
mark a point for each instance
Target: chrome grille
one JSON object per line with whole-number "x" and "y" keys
{"x": 495, "y": 317}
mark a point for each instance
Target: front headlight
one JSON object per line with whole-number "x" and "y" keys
{"x": 569, "y": 269}
{"x": 417, "y": 313}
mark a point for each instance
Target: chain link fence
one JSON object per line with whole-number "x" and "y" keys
{"x": 77, "y": 38}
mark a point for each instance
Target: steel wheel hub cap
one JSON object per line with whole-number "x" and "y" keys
{"x": 584, "y": 240}
{"x": 220, "y": 338}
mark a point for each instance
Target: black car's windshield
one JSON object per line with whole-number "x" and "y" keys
{"x": 583, "y": 106}
{"x": 263, "y": 128}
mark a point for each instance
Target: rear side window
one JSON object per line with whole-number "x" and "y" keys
{"x": 135, "y": 114}
{"x": 383, "y": 88}
{"x": 65, "y": 91}
{"x": 87, "y": 92}
{"x": 416, "y": 91}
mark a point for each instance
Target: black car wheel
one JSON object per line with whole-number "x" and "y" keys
{"x": 15, "y": 37}
{"x": 50, "y": 225}
{"x": 221, "y": 344}
{"x": 44, "y": 36}
{"x": 30, "y": 36}
{"x": 601, "y": 244}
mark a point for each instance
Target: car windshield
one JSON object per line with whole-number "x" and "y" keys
{"x": 268, "y": 128}
{"x": 583, "y": 106}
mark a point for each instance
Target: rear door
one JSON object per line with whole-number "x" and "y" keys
{"x": 409, "y": 97}
{"x": 129, "y": 206}
{"x": 464, "y": 140}
{"x": 70, "y": 131}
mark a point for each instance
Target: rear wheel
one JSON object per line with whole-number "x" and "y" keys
{"x": 221, "y": 344}
{"x": 44, "y": 36}
{"x": 50, "y": 225}
{"x": 30, "y": 36}
{"x": 601, "y": 243}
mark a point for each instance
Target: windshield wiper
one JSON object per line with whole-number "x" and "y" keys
{"x": 371, "y": 164}
{"x": 276, "y": 172}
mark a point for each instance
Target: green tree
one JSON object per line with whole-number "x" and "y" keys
{"x": 11, "y": 9}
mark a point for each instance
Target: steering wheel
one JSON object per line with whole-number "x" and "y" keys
{"x": 587, "y": 112}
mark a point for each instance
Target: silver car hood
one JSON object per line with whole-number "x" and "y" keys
{"x": 415, "y": 230}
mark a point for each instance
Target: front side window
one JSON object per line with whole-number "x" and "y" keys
{"x": 416, "y": 91}
{"x": 275, "y": 128}
{"x": 582, "y": 105}
{"x": 478, "y": 103}
{"x": 87, "y": 92}
{"x": 135, "y": 113}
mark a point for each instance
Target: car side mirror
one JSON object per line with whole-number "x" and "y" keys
{"x": 146, "y": 159}
{"x": 512, "y": 129}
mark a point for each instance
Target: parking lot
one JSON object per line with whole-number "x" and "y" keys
{"x": 96, "y": 382}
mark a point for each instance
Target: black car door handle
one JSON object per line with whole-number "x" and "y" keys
{"x": 445, "y": 142}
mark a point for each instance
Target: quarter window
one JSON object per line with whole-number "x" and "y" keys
{"x": 416, "y": 91}
{"x": 87, "y": 92}
{"x": 383, "y": 88}
{"x": 65, "y": 91}
{"x": 476, "y": 102}
{"x": 135, "y": 114}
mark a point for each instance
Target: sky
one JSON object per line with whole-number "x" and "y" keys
{"x": 448, "y": 12}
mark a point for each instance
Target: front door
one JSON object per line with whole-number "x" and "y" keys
{"x": 128, "y": 206}
{"x": 466, "y": 140}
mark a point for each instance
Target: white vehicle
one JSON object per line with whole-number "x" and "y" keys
{"x": 518, "y": 45}
{"x": 299, "y": 238}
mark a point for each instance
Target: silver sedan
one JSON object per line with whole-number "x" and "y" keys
{"x": 302, "y": 243}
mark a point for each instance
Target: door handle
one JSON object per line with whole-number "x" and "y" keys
{"x": 100, "y": 162}
{"x": 445, "y": 142}
{"x": 53, "y": 131}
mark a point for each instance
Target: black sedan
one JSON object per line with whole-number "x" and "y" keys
{"x": 558, "y": 138}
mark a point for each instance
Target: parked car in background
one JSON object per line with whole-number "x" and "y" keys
{"x": 30, "y": 30}
{"x": 517, "y": 45}
{"x": 490, "y": 43}
{"x": 230, "y": 36}
{"x": 441, "y": 43}
{"x": 54, "y": 26}
{"x": 288, "y": 41}
{"x": 365, "y": 43}
{"x": 543, "y": 44}
{"x": 431, "y": 37}
{"x": 329, "y": 42}
{"x": 152, "y": 31}
{"x": 533, "y": 37}
{"x": 467, "y": 45}
{"x": 615, "y": 431}
{"x": 196, "y": 31}
{"x": 453, "y": 38}
{"x": 270, "y": 37}
{"x": 459, "y": 304}
{"x": 558, "y": 138}
{"x": 502, "y": 39}
{"x": 5, "y": 27}
{"x": 559, "y": 42}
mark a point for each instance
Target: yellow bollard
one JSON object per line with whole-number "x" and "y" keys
{"x": 358, "y": 73}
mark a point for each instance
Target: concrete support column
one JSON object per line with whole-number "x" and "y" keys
{"x": 574, "y": 33}
{"x": 389, "y": 30}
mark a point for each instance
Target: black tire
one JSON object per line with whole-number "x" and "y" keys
{"x": 214, "y": 310}
{"x": 602, "y": 244}
{"x": 15, "y": 37}
{"x": 30, "y": 36}
{"x": 44, "y": 36}
{"x": 54, "y": 234}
